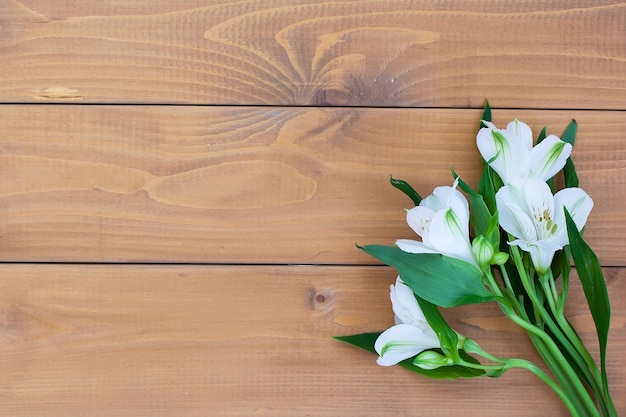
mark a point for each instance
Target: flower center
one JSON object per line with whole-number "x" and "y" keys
{"x": 542, "y": 218}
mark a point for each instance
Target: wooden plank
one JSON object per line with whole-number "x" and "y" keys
{"x": 239, "y": 341}
{"x": 254, "y": 185}
{"x": 526, "y": 54}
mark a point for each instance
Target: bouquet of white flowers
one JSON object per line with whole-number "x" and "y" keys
{"x": 510, "y": 244}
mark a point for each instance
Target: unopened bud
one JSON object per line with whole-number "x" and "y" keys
{"x": 483, "y": 250}
{"x": 430, "y": 360}
{"x": 500, "y": 258}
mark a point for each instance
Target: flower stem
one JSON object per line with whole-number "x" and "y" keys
{"x": 508, "y": 363}
{"x": 591, "y": 370}
{"x": 581, "y": 392}
{"x": 558, "y": 373}
{"x": 519, "y": 363}
{"x": 550, "y": 344}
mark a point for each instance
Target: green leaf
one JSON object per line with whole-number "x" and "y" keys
{"x": 542, "y": 135}
{"x": 462, "y": 184}
{"x": 519, "y": 290}
{"x": 569, "y": 171}
{"x": 448, "y": 338}
{"x": 366, "y": 341}
{"x": 487, "y": 187}
{"x": 493, "y": 231}
{"x": 569, "y": 135}
{"x": 441, "y": 280}
{"x": 486, "y": 114}
{"x": 594, "y": 286}
{"x": 480, "y": 216}
{"x": 406, "y": 189}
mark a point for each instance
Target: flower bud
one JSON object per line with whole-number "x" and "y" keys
{"x": 430, "y": 360}
{"x": 483, "y": 250}
{"x": 500, "y": 258}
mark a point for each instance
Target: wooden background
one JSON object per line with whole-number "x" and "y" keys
{"x": 183, "y": 183}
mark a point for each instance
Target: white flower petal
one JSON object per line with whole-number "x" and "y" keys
{"x": 549, "y": 157}
{"x": 413, "y": 246}
{"x": 540, "y": 203}
{"x": 541, "y": 253}
{"x": 578, "y": 204}
{"x": 505, "y": 153}
{"x": 444, "y": 197}
{"x": 405, "y": 305}
{"x": 401, "y": 342}
{"x": 515, "y": 221}
{"x": 449, "y": 209}
{"x": 514, "y": 194}
{"x": 450, "y": 236}
{"x": 513, "y": 218}
{"x": 418, "y": 219}
{"x": 522, "y": 132}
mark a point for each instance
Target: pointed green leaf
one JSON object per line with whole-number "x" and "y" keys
{"x": 366, "y": 341}
{"x": 462, "y": 184}
{"x": 593, "y": 283}
{"x": 569, "y": 171}
{"x": 487, "y": 188}
{"x": 486, "y": 114}
{"x": 493, "y": 231}
{"x": 569, "y": 135}
{"x": 406, "y": 189}
{"x": 441, "y": 280}
{"x": 448, "y": 338}
{"x": 479, "y": 215}
{"x": 542, "y": 135}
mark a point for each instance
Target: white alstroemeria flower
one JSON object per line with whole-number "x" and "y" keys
{"x": 442, "y": 221}
{"x": 513, "y": 156}
{"x": 528, "y": 210}
{"x": 411, "y": 335}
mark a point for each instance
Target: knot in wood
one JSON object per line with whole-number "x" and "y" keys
{"x": 319, "y": 298}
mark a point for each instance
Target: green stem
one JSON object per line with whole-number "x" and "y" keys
{"x": 558, "y": 373}
{"x": 591, "y": 370}
{"x": 561, "y": 360}
{"x": 508, "y": 363}
{"x": 557, "y": 332}
{"x": 519, "y": 363}
{"x": 543, "y": 351}
{"x": 518, "y": 303}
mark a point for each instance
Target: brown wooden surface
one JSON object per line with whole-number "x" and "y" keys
{"x": 116, "y": 177}
{"x": 531, "y": 54}
{"x": 255, "y": 185}
{"x": 239, "y": 341}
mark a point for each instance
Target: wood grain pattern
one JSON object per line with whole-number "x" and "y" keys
{"x": 296, "y": 180}
{"x": 254, "y": 185}
{"x": 241, "y": 341}
{"x": 558, "y": 54}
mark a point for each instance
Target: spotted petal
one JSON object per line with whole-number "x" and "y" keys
{"x": 540, "y": 205}
{"x": 418, "y": 219}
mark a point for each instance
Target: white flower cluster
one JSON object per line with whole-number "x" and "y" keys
{"x": 526, "y": 208}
